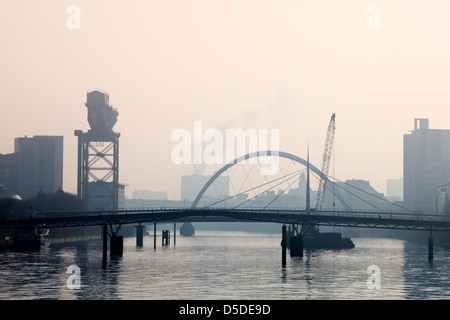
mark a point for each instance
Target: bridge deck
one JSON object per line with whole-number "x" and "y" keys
{"x": 343, "y": 218}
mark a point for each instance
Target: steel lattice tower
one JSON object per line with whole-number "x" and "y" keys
{"x": 98, "y": 155}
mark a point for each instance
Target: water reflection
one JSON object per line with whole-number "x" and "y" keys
{"x": 425, "y": 279}
{"x": 226, "y": 265}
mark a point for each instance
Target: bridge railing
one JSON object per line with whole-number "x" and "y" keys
{"x": 374, "y": 214}
{"x": 367, "y": 214}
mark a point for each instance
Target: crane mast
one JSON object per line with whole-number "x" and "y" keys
{"x": 325, "y": 163}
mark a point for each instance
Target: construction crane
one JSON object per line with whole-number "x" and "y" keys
{"x": 325, "y": 163}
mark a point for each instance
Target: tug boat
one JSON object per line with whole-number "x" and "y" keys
{"x": 327, "y": 240}
{"x": 314, "y": 239}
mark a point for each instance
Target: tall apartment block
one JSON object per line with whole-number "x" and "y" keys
{"x": 426, "y": 165}
{"x": 36, "y": 164}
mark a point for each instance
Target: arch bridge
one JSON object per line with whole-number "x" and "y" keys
{"x": 308, "y": 217}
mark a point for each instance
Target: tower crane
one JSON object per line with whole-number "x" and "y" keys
{"x": 325, "y": 163}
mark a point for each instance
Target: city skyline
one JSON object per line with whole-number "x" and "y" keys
{"x": 259, "y": 65}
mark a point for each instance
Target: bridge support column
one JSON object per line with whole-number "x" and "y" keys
{"x": 154, "y": 235}
{"x": 296, "y": 247}
{"x": 105, "y": 243}
{"x": 283, "y": 245}
{"x": 174, "y": 233}
{"x": 116, "y": 246}
{"x": 289, "y": 235}
{"x": 430, "y": 248}
{"x": 139, "y": 235}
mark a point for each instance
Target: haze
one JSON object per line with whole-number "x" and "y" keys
{"x": 286, "y": 65}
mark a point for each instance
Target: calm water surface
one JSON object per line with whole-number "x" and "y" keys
{"x": 226, "y": 265}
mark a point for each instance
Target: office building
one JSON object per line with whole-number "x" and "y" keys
{"x": 426, "y": 165}
{"x": 9, "y": 171}
{"x": 40, "y": 164}
{"x": 36, "y": 165}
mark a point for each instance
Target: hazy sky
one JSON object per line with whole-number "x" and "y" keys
{"x": 281, "y": 64}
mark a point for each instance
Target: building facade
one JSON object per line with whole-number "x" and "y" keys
{"x": 426, "y": 165}
{"x": 9, "y": 171}
{"x": 35, "y": 165}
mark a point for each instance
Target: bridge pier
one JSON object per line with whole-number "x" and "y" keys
{"x": 296, "y": 246}
{"x": 116, "y": 246}
{"x": 154, "y": 235}
{"x": 139, "y": 235}
{"x": 290, "y": 233}
{"x": 174, "y": 233}
{"x": 283, "y": 244}
{"x": 105, "y": 243}
{"x": 430, "y": 248}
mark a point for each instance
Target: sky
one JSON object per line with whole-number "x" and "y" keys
{"x": 231, "y": 64}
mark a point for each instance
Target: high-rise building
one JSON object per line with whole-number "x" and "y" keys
{"x": 426, "y": 164}
{"x": 36, "y": 165}
{"x": 9, "y": 171}
{"x": 40, "y": 164}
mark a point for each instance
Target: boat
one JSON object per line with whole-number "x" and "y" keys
{"x": 327, "y": 240}
{"x": 323, "y": 240}
{"x": 31, "y": 240}
{"x": 27, "y": 241}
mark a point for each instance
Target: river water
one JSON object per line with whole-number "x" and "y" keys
{"x": 227, "y": 265}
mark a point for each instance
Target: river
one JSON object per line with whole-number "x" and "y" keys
{"x": 227, "y": 265}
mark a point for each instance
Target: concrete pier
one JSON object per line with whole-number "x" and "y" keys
{"x": 174, "y": 233}
{"x": 283, "y": 244}
{"x": 430, "y": 248}
{"x": 154, "y": 235}
{"x": 116, "y": 246}
{"x": 139, "y": 235}
{"x": 289, "y": 234}
{"x": 296, "y": 247}
{"x": 105, "y": 243}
